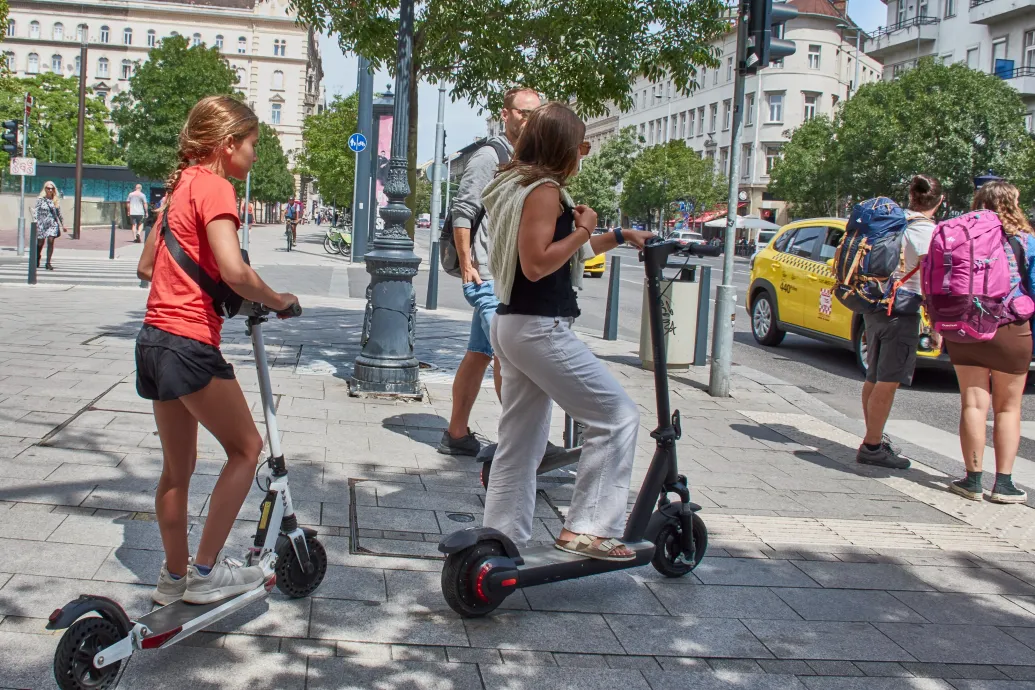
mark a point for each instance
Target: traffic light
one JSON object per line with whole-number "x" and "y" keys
{"x": 10, "y": 137}
{"x": 765, "y": 30}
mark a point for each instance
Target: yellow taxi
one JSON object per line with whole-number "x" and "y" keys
{"x": 595, "y": 266}
{"x": 792, "y": 291}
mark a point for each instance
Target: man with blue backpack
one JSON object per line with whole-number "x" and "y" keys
{"x": 877, "y": 271}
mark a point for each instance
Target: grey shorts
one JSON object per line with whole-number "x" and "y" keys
{"x": 891, "y": 343}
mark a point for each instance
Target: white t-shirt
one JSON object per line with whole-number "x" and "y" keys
{"x": 915, "y": 244}
{"x": 137, "y": 203}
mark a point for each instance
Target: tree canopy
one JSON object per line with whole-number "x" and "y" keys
{"x": 666, "y": 173}
{"x": 587, "y": 50}
{"x": 949, "y": 121}
{"x": 324, "y": 155}
{"x": 596, "y": 183}
{"x": 52, "y": 124}
{"x": 161, "y": 93}
{"x": 272, "y": 182}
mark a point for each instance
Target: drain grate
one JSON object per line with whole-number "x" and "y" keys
{"x": 812, "y": 390}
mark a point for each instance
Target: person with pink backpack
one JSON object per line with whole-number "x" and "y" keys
{"x": 977, "y": 299}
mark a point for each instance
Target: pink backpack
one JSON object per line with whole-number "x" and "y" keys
{"x": 970, "y": 279}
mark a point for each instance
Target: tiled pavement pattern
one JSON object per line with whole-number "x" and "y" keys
{"x": 820, "y": 574}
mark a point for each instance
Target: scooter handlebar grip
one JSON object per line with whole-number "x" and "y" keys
{"x": 292, "y": 311}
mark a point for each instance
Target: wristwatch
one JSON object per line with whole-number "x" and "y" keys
{"x": 618, "y": 235}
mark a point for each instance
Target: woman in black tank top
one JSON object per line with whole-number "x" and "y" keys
{"x": 539, "y": 240}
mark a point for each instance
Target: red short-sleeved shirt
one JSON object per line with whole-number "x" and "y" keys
{"x": 176, "y": 303}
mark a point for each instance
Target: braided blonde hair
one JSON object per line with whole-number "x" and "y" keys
{"x": 210, "y": 123}
{"x": 1003, "y": 198}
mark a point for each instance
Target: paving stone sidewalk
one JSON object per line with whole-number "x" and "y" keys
{"x": 820, "y": 574}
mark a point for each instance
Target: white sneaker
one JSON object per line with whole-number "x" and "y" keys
{"x": 228, "y": 578}
{"x": 168, "y": 589}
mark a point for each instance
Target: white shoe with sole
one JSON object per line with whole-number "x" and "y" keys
{"x": 228, "y": 578}
{"x": 168, "y": 589}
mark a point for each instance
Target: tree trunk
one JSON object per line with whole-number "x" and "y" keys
{"x": 411, "y": 155}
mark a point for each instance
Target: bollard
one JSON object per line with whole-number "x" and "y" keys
{"x": 34, "y": 251}
{"x": 111, "y": 244}
{"x": 611, "y": 313}
{"x": 431, "y": 303}
{"x": 703, "y": 317}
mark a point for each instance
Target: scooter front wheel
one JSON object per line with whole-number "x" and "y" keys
{"x": 461, "y": 583}
{"x": 668, "y": 554}
{"x": 73, "y": 660}
{"x": 291, "y": 579}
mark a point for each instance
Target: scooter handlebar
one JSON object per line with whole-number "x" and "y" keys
{"x": 256, "y": 309}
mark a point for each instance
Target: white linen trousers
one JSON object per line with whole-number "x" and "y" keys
{"x": 542, "y": 360}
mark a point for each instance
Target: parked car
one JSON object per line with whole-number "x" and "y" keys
{"x": 686, "y": 237}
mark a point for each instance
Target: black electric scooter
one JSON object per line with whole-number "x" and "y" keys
{"x": 569, "y": 455}
{"x": 483, "y": 566}
{"x": 100, "y": 634}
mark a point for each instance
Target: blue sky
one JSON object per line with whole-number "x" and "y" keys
{"x": 463, "y": 122}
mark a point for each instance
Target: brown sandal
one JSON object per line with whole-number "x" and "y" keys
{"x": 583, "y": 545}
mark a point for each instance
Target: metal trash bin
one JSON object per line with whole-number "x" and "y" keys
{"x": 685, "y": 309}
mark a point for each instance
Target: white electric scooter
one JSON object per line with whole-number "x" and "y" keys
{"x": 98, "y": 632}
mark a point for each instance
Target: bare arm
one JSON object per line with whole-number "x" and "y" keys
{"x": 462, "y": 240}
{"x": 603, "y": 243}
{"x": 242, "y": 279}
{"x": 146, "y": 265}
{"x": 539, "y": 254}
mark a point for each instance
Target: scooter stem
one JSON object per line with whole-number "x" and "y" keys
{"x": 655, "y": 256}
{"x": 265, "y": 388}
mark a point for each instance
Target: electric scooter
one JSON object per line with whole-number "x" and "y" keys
{"x": 569, "y": 455}
{"x": 483, "y": 566}
{"x": 98, "y": 632}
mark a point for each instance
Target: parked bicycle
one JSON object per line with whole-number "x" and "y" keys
{"x": 338, "y": 240}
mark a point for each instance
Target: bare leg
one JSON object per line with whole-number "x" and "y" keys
{"x": 221, "y": 408}
{"x": 466, "y": 384}
{"x": 178, "y": 431}
{"x": 1007, "y": 391}
{"x": 867, "y": 390}
{"x": 974, "y": 400}
{"x": 877, "y": 410}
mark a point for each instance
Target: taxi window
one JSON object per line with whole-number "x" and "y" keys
{"x": 806, "y": 240}
{"x": 781, "y": 242}
{"x": 833, "y": 239}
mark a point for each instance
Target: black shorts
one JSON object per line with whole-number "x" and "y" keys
{"x": 891, "y": 342}
{"x": 171, "y": 366}
{"x": 136, "y": 219}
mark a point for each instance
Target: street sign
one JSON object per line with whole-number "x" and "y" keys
{"x": 429, "y": 172}
{"x": 357, "y": 143}
{"x": 28, "y": 104}
{"x": 23, "y": 166}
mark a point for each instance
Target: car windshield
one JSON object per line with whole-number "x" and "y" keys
{"x": 765, "y": 237}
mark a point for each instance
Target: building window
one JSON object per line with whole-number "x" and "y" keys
{"x": 12, "y": 27}
{"x": 34, "y": 64}
{"x": 81, "y": 33}
{"x": 724, "y": 160}
{"x": 195, "y": 40}
{"x": 278, "y": 80}
{"x": 710, "y": 155}
{"x": 275, "y": 114}
{"x": 749, "y": 110}
{"x": 78, "y": 64}
{"x": 59, "y": 32}
{"x": 152, "y": 38}
{"x": 998, "y": 52}
{"x": 950, "y": 8}
{"x": 973, "y": 56}
{"x": 102, "y": 96}
{"x": 700, "y": 121}
{"x": 127, "y": 36}
{"x": 242, "y": 45}
{"x": 55, "y": 64}
{"x": 729, "y": 69}
{"x": 682, "y": 125}
{"x": 713, "y": 117}
{"x": 1029, "y": 122}
{"x": 814, "y": 53}
{"x": 34, "y": 29}
{"x": 102, "y": 68}
{"x": 811, "y": 106}
{"x": 127, "y": 69}
{"x": 901, "y": 12}
{"x": 704, "y": 76}
{"x": 715, "y": 82}
{"x": 921, "y": 10}
{"x": 219, "y": 41}
{"x": 692, "y": 119}
{"x": 279, "y": 47}
{"x": 745, "y": 162}
{"x": 727, "y": 114}
{"x": 643, "y": 129}
{"x": 240, "y": 75}
{"x": 772, "y": 154}
{"x": 1029, "y": 48}
{"x": 775, "y": 107}
{"x": 11, "y": 62}
{"x": 104, "y": 34}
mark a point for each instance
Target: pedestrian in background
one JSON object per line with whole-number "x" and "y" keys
{"x": 136, "y": 207}
{"x": 892, "y": 340}
{"x": 994, "y": 372}
{"x": 49, "y": 222}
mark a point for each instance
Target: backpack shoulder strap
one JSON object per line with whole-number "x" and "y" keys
{"x": 501, "y": 151}
{"x": 217, "y": 291}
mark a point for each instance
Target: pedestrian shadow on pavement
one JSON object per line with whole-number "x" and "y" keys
{"x": 418, "y": 426}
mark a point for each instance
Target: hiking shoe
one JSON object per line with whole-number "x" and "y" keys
{"x": 465, "y": 445}
{"x": 228, "y": 578}
{"x": 1006, "y": 492}
{"x": 553, "y": 451}
{"x": 881, "y": 457}
{"x": 168, "y": 589}
{"x": 967, "y": 487}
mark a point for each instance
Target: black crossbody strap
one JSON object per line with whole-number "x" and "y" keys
{"x": 218, "y": 291}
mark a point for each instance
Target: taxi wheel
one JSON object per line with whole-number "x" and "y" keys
{"x": 763, "y": 321}
{"x": 861, "y": 352}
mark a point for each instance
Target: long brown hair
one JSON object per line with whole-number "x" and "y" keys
{"x": 210, "y": 123}
{"x": 548, "y": 145}
{"x": 1003, "y": 198}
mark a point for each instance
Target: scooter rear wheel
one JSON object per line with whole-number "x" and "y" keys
{"x": 73, "y": 660}
{"x": 291, "y": 579}
{"x": 459, "y": 579}
{"x": 667, "y": 548}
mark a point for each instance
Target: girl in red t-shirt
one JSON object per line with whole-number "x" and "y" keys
{"x": 179, "y": 365}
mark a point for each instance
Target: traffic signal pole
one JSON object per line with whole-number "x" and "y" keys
{"x": 431, "y": 301}
{"x": 22, "y": 239}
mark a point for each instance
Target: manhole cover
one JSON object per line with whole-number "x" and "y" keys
{"x": 460, "y": 517}
{"x": 812, "y": 390}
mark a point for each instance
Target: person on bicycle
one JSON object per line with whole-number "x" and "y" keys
{"x": 179, "y": 364}
{"x": 292, "y": 219}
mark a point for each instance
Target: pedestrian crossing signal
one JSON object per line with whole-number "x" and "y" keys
{"x": 10, "y": 137}
{"x": 766, "y": 20}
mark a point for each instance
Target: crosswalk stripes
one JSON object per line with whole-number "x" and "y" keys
{"x": 71, "y": 271}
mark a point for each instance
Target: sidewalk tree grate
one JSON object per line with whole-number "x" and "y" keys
{"x": 460, "y": 517}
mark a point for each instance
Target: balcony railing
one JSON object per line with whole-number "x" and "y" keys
{"x": 915, "y": 21}
{"x": 978, "y": 3}
{"x": 1015, "y": 72}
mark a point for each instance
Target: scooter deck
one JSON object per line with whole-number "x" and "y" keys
{"x": 548, "y": 564}
{"x": 180, "y": 614}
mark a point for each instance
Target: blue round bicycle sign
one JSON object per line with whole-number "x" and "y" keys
{"x": 357, "y": 143}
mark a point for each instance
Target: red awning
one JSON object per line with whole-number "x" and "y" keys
{"x": 717, "y": 212}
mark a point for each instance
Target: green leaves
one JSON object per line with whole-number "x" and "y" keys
{"x": 951, "y": 122}
{"x": 667, "y": 173}
{"x": 271, "y": 180}
{"x": 325, "y": 155}
{"x": 162, "y": 92}
{"x": 600, "y": 174}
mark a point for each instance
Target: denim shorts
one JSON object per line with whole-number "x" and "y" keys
{"x": 484, "y": 301}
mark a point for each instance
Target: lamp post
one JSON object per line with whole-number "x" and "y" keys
{"x": 387, "y": 364}
{"x": 668, "y": 131}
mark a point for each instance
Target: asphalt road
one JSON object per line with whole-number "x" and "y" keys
{"x": 822, "y": 370}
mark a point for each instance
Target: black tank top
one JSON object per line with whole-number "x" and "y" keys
{"x": 551, "y": 295}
